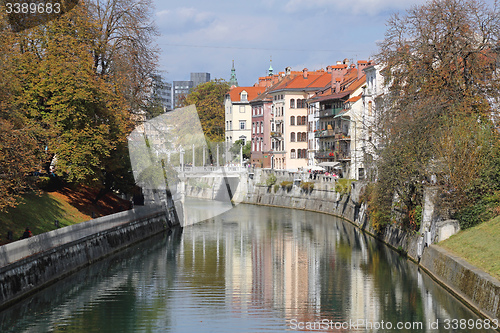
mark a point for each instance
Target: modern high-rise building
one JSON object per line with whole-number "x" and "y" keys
{"x": 183, "y": 88}
{"x": 199, "y": 78}
{"x": 162, "y": 92}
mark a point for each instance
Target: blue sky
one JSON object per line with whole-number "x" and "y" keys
{"x": 205, "y": 36}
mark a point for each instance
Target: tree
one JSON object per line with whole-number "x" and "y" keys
{"x": 246, "y": 148}
{"x": 57, "y": 100}
{"x": 209, "y": 100}
{"x": 440, "y": 61}
{"x": 123, "y": 48}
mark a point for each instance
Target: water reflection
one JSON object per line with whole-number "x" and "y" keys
{"x": 252, "y": 269}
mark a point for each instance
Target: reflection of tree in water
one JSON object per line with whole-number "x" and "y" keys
{"x": 105, "y": 296}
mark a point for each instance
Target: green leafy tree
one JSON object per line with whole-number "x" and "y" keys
{"x": 67, "y": 104}
{"x": 209, "y": 100}
{"x": 246, "y": 151}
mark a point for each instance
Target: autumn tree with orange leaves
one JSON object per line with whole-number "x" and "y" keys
{"x": 441, "y": 64}
{"x": 68, "y": 90}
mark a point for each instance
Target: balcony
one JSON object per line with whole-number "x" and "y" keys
{"x": 277, "y": 135}
{"x": 325, "y": 154}
{"x": 337, "y": 134}
{"x": 342, "y": 156}
{"x": 342, "y": 136}
{"x": 333, "y": 155}
{"x": 328, "y": 112}
{"x": 324, "y": 134}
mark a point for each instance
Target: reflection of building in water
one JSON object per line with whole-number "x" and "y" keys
{"x": 364, "y": 296}
{"x": 281, "y": 265}
{"x": 273, "y": 272}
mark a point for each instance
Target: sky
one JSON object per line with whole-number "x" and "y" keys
{"x": 207, "y": 35}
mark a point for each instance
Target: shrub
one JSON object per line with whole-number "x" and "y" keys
{"x": 307, "y": 186}
{"x": 343, "y": 186}
{"x": 271, "y": 180}
{"x": 415, "y": 217}
{"x": 286, "y": 185}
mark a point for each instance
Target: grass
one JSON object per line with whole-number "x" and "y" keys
{"x": 39, "y": 212}
{"x": 479, "y": 245}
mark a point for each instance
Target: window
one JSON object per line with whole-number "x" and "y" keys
{"x": 230, "y": 125}
{"x": 242, "y": 124}
{"x": 292, "y": 137}
{"x": 242, "y": 109}
{"x": 292, "y": 120}
{"x": 370, "y": 108}
{"x": 301, "y": 120}
{"x": 253, "y": 128}
{"x": 244, "y": 96}
{"x": 261, "y": 127}
{"x": 292, "y": 153}
{"x": 361, "y": 173}
{"x": 292, "y": 103}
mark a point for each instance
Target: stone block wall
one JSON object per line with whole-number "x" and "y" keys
{"x": 30, "y": 264}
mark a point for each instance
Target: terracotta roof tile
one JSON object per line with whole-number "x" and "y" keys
{"x": 253, "y": 92}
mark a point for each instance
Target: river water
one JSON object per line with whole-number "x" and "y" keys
{"x": 251, "y": 269}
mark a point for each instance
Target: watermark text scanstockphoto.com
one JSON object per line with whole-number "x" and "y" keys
{"x": 452, "y": 324}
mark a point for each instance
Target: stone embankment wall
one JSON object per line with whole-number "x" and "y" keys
{"x": 467, "y": 282}
{"x": 476, "y": 289}
{"x": 30, "y": 264}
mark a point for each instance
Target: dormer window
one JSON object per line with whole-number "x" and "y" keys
{"x": 244, "y": 96}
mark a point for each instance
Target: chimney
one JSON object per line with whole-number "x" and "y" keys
{"x": 338, "y": 73}
{"x": 337, "y": 84}
{"x": 362, "y": 64}
{"x": 288, "y": 70}
{"x": 304, "y": 73}
{"x": 329, "y": 69}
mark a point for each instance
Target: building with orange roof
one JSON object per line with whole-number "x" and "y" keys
{"x": 261, "y": 130}
{"x": 238, "y": 113}
{"x": 338, "y": 112}
{"x": 289, "y": 124}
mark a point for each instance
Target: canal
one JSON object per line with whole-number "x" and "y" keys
{"x": 251, "y": 269}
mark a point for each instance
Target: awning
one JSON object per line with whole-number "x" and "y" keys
{"x": 328, "y": 164}
{"x": 315, "y": 167}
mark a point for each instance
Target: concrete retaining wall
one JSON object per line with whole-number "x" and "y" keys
{"x": 475, "y": 288}
{"x": 30, "y": 264}
{"x": 467, "y": 282}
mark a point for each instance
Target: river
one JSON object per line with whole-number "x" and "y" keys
{"x": 251, "y": 269}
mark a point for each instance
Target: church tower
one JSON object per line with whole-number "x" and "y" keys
{"x": 233, "y": 81}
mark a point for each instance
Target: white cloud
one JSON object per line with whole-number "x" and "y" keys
{"x": 371, "y": 7}
{"x": 183, "y": 19}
